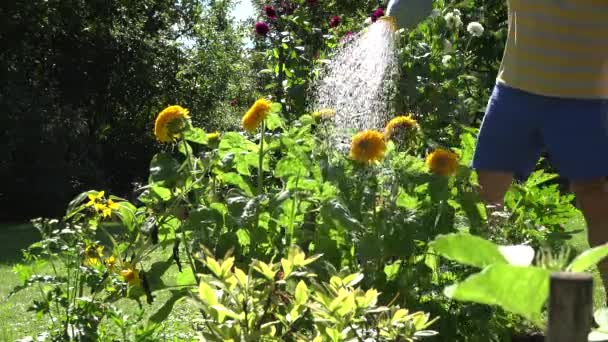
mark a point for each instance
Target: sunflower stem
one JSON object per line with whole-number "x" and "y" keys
{"x": 261, "y": 160}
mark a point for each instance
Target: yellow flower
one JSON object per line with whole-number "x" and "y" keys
{"x": 130, "y": 274}
{"x": 110, "y": 205}
{"x": 170, "y": 123}
{"x": 442, "y": 162}
{"x": 399, "y": 125}
{"x": 367, "y": 146}
{"x": 324, "y": 114}
{"x": 256, "y": 114}
{"x": 94, "y": 199}
{"x": 92, "y": 253}
{"x": 213, "y": 137}
{"x": 110, "y": 262}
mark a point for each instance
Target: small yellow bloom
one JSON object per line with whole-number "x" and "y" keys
{"x": 92, "y": 253}
{"x": 170, "y": 123}
{"x": 94, "y": 199}
{"x": 110, "y": 262}
{"x": 256, "y": 114}
{"x": 399, "y": 125}
{"x": 367, "y": 146}
{"x": 130, "y": 275}
{"x": 324, "y": 114}
{"x": 442, "y": 162}
{"x": 213, "y": 137}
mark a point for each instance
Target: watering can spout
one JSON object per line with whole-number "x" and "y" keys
{"x": 408, "y": 13}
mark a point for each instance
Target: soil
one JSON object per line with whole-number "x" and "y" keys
{"x": 528, "y": 338}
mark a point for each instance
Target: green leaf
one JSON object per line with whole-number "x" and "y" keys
{"x": 126, "y": 213}
{"x": 196, "y": 135}
{"x": 301, "y": 294}
{"x": 520, "y": 290}
{"x": 333, "y": 334}
{"x": 468, "y": 250}
{"x": 290, "y": 166}
{"x": 207, "y": 294}
{"x": 238, "y": 181}
{"x": 287, "y": 267}
{"x": 353, "y": 279}
{"x": 274, "y": 120}
{"x": 163, "y": 168}
{"x": 601, "y": 317}
{"x": 214, "y": 266}
{"x": 225, "y": 311}
{"x": 185, "y": 277}
{"x": 588, "y": 259}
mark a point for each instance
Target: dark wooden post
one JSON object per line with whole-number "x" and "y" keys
{"x": 570, "y": 307}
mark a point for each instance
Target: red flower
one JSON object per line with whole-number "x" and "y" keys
{"x": 312, "y": 2}
{"x": 270, "y": 12}
{"x": 379, "y": 12}
{"x": 262, "y": 28}
{"x": 335, "y": 21}
{"x": 287, "y": 7}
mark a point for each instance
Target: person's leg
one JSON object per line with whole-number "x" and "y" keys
{"x": 576, "y": 133}
{"x": 592, "y": 199}
{"x": 508, "y": 143}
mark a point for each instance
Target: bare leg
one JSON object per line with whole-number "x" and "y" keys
{"x": 592, "y": 198}
{"x": 493, "y": 186}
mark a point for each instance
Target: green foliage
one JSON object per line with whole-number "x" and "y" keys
{"x": 284, "y": 301}
{"x": 516, "y": 287}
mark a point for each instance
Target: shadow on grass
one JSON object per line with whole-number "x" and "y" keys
{"x": 15, "y": 238}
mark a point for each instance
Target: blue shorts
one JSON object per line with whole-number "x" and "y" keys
{"x": 518, "y": 126}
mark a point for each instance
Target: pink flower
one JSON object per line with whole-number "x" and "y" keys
{"x": 379, "y": 12}
{"x": 347, "y": 37}
{"x": 270, "y": 12}
{"x": 262, "y": 28}
{"x": 335, "y": 21}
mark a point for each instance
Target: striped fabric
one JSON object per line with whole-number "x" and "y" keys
{"x": 557, "y": 48}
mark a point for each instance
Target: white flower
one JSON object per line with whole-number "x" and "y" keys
{"x": 435, "y": 13}
{"x": 519, "y": 255}
{"x": 456, "y": 11}
{"x": 368, "y": 21}
{"x": 475, "y": 28}
{"x": 452, "y": 20}
{"x": 445, "y": 60}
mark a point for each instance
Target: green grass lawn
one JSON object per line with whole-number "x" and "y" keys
{"x": 16, "y": 321}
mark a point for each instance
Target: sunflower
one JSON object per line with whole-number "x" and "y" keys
{"x": 130, "y": 274}
{"x": 400, "y": 126}
{"x": 171, "y": 123}
{"x": 367, "y": 146}
{"x": 256, "y": 114}
{"x": 324, "y": 114}
{"x": 442, "y": 162}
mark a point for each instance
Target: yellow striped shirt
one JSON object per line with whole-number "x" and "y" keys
{"x": 557, "y": 48}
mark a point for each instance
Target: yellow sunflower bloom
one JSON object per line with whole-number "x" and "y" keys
{"x": 442, "y": 162}
{"x": 399, "y": 125}
{"x": 256, "y": 114}
{"x": 107, "y": 209}
{"x": 170, "y": 123}
{"x": 130, "y": 275}
{"x": 324, "y": 114}
{"x": 368, "y": 146}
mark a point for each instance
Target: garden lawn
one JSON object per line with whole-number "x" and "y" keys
{"x": 16, "y": 322}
